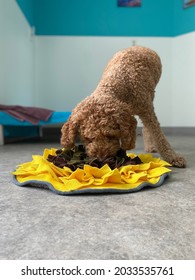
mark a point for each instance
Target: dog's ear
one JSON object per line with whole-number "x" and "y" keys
{"x": 69, "y": 134}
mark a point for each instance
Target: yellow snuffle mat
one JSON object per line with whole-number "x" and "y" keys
{"x": 42, "y": 173}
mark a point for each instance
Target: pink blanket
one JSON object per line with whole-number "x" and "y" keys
{"x": 30, "y": 114}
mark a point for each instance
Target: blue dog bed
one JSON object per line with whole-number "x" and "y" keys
{"x": 11, "y": 127}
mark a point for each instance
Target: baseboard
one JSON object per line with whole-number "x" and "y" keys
{"x": 55, "y": 132}
{"x": 168, "y": 130}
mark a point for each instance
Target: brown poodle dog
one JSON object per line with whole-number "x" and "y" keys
{"x": 105, "y": 120}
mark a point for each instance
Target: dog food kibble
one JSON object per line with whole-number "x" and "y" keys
{"x": 76, "y": 158}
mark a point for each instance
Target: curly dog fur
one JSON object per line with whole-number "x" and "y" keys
{"x": 105, "y": 120}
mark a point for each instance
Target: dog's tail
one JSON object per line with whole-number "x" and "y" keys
{"x": 69, "y": 133}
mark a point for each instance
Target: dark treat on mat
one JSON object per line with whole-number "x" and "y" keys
{"x": 76, "y": 158}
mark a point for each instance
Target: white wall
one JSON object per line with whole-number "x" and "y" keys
{"x": 183, "y": 80}
{"x": 16, "y": 56}
{"x": 69, "y": 68}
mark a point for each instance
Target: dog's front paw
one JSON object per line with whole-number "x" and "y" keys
{"x": 178, "y": 161}
{"x": 150, "y": 149}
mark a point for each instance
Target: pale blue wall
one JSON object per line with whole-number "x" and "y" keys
{"x": 16, "y": 56}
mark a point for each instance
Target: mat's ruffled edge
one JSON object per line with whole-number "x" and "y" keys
{"x": 42, "y": 184}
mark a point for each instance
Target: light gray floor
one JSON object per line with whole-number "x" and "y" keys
{"x": 150, "y": 224}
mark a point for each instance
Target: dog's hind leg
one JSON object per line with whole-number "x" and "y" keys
{"x": 152, "y": 126}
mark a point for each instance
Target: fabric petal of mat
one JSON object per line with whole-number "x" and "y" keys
{"x": 130, "y": 178}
